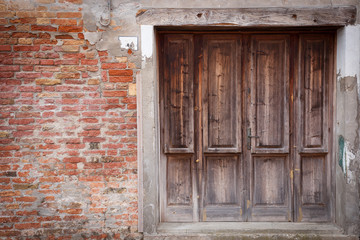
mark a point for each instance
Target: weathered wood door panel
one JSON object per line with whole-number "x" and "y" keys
{"x": 245, "y": 127}
{"x": 178, "y": 94}
{"x": 269, "y": 128}
{"x": 221, "y": 94}
{"x": 177, "y": 182}
{"x": 221, "y": 127}
{"x": 312, "y": 164}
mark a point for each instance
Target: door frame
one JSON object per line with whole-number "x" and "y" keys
{"x": 148, "y": 124}
{"x": 292, "y": 155}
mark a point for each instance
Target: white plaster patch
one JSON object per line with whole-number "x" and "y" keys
{"x": 92, "y": 37}
{"x": 147, "y": 39}
{"x": 129, "y": 42}
{"x": 348, "y": 49}
{"x": 348, "y": 157}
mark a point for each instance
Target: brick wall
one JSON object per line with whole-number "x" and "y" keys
{"x": 68, "y": 164}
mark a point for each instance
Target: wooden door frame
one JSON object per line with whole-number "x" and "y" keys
{"x": 148, "y": 131}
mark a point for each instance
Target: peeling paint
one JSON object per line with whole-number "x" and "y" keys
{"x": 341, "y": 153}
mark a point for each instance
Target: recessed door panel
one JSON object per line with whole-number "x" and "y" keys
{"x": 222, "y": 195}
{"x": 178, "y": 206}
{"x": 270, "y": 181}
{"x": 220, "y": 172}
{"x": 178, "y": 89}
{"x": 313, "y": 180}
{"x": 179, "y": 187}
{"x": 270, "y": 90}
{"x": 313, "y": 92}
{"x": 221, "y": 91}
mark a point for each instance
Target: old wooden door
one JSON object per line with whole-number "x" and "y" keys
{"x": 245, "y": 127}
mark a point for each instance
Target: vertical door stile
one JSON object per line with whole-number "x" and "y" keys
{"x": 198, "y": 163}
{"x": 247, "y": 72}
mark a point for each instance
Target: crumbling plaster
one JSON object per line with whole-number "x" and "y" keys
{"x": 348, "y": 126}
{"x": 122, "y": 23}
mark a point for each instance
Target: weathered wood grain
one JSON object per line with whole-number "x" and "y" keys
{"x": 327, "y": 16}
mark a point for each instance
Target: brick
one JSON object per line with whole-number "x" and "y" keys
{"x": 132, "y": 89}
{"x": 46, "y": 69}
{"x": 26, "y": 48}
{"x": 9, "y": 148}
{"x": 4, "y": 48}
{"x": 74, "y": 159}
{"x": 68, "y": 62}
{"x": 27, "y": 225}
{"x": 113, "y": 65}
{"x": 9, "y": 193}
{"x": 43, "y": 28}
{"x": 9, "y": 68}
{"x": 115, "y": 93}
{"x": 10, "y": 28}
{"x": 71, "y": 1}
{"x": 91, "y": 179}
{"x": 45, "y": 1}
{"x": 64, "y": 22}
{"x": 73, "y": 42}
{"x": 121, "y": 79}
{"x": 51, "y": 179}
{"x": 21, "y": 121}
{"x": 25, "y": 41}
{"x": 7, "y": 14}
{"x": 89, "y": 61}
{"x": 25, "y": 186}
{"x": 67, "y": 75}
{"x": 10, "y": 233}
{"x": 45, "y": 41}
{"x": 70, "y": 29}
{"x": 69, "y": 15}
{"x": 71, "y": 211}
{"x": 43, "y": 20}
{"x": 46, "y": 62}
{"x": 23, "y": 35}
{"x": 93, "y": 81}
{"x": 26, "y": 199}
{"x": 127, "y": 72}
{"x": 28, "y": 75}
{"x": 48, "y": 82}
{"x": 6, "y": 74}
{"x": 35, "y": 14}
{"x": 68, "y": 48}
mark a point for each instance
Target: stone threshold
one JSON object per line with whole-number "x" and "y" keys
{"x": 246, "y": 230}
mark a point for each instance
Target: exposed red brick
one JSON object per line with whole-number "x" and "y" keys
{"x": 113, "y": 65}
{"x": 70, "y": 29}
{"x": 43, "y": 28}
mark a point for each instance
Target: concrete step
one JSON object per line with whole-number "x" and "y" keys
{"x": 247, "y": 231}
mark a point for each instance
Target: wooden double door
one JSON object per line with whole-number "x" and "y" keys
{"x": 246, "y": 126}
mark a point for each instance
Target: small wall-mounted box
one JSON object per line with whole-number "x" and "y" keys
{"x": 129, "y": 42}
